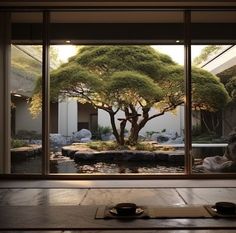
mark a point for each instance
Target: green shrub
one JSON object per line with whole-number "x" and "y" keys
{"x": 150, "y": 133}
{"x": 196, "y": 130}
{"x": 28, "y": 134}
{"x": 207, "y": 138}
{"x": 145, "y": 147}
{"x": 16, "y": 143}
{"x": 100, "y": 131}
{"x": 101, "y": 146}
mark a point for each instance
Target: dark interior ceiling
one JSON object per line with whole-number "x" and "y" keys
{"x": 125, "y": 27}
{"x": 128, "y": 17}
{"x": 89, "y": 3}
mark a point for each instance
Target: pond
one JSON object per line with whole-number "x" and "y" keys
{"x": 62, "y": 164}
{"x": 114, "y": 168}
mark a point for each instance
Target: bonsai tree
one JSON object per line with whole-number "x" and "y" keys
{"x": 131, "y": 79}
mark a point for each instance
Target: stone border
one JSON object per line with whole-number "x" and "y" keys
{"x": 22, "y": 153}
{"x": 171, "y": 157}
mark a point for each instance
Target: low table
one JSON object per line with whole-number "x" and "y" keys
{"x": 83, "y": 218}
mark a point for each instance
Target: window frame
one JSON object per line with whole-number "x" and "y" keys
{"x": 46, "y": 105}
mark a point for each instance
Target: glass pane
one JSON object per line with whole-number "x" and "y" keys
{"x": 26, "y": 73}
{"x": 214, "y": 86}
{"x": 117, "y": 109}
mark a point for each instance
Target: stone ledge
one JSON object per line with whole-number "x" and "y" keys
{"x": 176, "y": 157}
{"x": 25, "y": 152}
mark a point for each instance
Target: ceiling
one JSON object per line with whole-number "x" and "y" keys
{"x": 127, "y": 17}
{"x": 136, "y": 3}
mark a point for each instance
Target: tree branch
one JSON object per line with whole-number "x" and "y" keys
{"x": 169, "y": 108}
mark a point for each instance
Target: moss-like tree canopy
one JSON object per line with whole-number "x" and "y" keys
{"x": 132, "y": 79}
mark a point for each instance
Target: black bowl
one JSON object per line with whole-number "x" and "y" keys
{"x": 126, "y": 209}
{"x": 226, "y": 208}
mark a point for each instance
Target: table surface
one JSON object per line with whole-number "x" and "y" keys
{"x": 83, "y": 218}
{"x": 65, "y": 210}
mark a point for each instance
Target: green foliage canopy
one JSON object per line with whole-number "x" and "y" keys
{"x": 231, "y": 88}
{"x": 131, "y": 79}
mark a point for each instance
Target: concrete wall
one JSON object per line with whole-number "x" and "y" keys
{"x": 223, "y": 62}
{"x": 24, "y": 120}
{"x": 84, "y": 112}
{"x": 170, "y": 122}
{"x": 67, "y": 117}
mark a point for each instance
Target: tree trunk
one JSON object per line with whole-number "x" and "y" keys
{"x": 133, "y": 137}
{"x": 114, "y": 129}
{"x": 136, "y": 127}
{"x": 122, "y": 132}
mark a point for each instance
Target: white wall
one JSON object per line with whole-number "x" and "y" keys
{"x": 223, "y": 62}
{"x": 169, "y": 121}
{"x": 24, "y": 120}
{"x": 67, "y": 117}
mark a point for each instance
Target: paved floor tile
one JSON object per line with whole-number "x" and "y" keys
{"x": 207, "y": 195}
{"x": 138, "y": 196}
{"x": 32, "y": 197}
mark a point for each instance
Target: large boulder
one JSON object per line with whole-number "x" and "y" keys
{"x": 218, "y": 164}
{"x": 165, "y": 137}
{"x": 57, "y": 140}
{"x": 85, "y": 140}
{"x": 83, "y": 133}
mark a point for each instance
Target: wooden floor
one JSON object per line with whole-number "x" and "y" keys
{"x": 90, "y": 197}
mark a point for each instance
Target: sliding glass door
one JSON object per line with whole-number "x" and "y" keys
{"x": 25, "y": 80}
{"x": 214, "y": 106}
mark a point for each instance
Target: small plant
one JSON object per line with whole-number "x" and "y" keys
{"x": 27, "y": 134}
{"x": 196, "y": 130}
{"x": 105, "y": 130}
{"x": 106, "y": 146}
{"x": 150, "y": 133}
{"x": 207, "y": 138}
{"x": 16, "y": 143}
{"x": 145, "y": 147}
{"x": 102, "y": 130}
{"x": 101, "y": 146}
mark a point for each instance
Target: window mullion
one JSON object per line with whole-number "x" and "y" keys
{"x": 187, "y": 70}
{"x": 45, "y": 94}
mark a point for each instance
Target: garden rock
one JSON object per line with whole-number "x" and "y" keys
{"x": 83, "y": 133}
{"x": 176, "y": 158}
{"x": 162, "y": 138}
{"x": 108, "y": 137}
{"x": 85, "y": 140}
{"x": 218, "y": 164}
{"x": 57, "y": 140}
{"x": 167, "y": 137}
{"x": 36, "y": 141}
